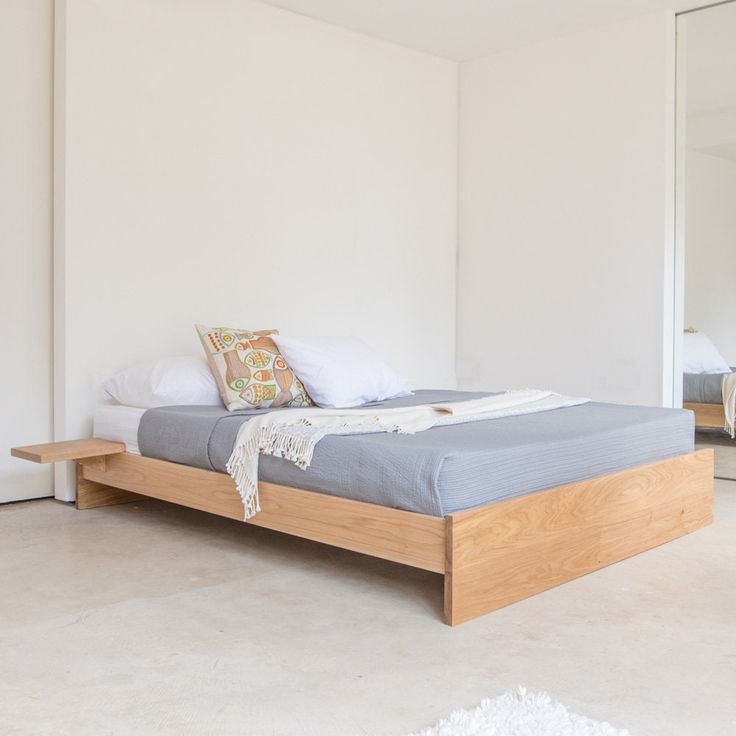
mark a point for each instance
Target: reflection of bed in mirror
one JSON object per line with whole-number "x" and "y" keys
{"x": 707, "y": 416}
{"x": 705, "y": 382}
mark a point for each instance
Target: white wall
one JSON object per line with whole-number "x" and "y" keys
{"x": 565, "y": 250}
{"x": 25, "y": 241}
{"x": 710, "y": 250}
{"x": 231, "y": 163}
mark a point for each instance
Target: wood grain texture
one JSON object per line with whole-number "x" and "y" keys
{"x": 53, "y": 452}
{"x": 91, "y": 495}
{"x": 504, "y": 552}
{"x": 391, "y": 534}
{"x": 98, "y": 462}
{"x": 401, "y": 536}
{"x": 182, "y": 484}
{"x": 710, "y": 416}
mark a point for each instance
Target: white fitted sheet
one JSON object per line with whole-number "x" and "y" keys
{"x": 118, "y": 423}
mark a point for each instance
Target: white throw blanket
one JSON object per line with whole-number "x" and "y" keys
{"x": 292, "y": 434}
{"x": 728, "y": 389}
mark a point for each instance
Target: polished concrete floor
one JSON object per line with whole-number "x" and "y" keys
{"x": 151, "y": 619}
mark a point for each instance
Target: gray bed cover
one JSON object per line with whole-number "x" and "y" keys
{"x": 703, "y": 388}
{"x": 444, "y": 469}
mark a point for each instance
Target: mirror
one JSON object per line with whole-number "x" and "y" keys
{"x": 706, "y": 172}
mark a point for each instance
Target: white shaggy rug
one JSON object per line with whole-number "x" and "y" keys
{"x": 520, "y": 713}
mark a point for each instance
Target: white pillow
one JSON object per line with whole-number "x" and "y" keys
{"x": 700, "y": 355}
{"x": 165, "y": 382}
{"x": 340, "y": 371}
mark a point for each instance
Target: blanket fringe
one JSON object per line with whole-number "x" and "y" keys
{"x": 291, "y": 443}
{"x": 279, "y": 444}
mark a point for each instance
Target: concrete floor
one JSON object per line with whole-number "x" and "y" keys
{"x": 152, "y": 619}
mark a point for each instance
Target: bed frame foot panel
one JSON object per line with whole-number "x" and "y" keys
{"x": 503, "y": 553}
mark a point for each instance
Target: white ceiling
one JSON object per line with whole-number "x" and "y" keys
{"x": 468, "y": 29}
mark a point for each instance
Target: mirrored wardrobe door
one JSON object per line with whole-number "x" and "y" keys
{"x": 706, "y": 179}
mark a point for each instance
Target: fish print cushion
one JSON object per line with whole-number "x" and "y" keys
{"x": 249, "y": 369}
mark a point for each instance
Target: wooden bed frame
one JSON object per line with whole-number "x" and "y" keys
{"x": 707, "y": 416}
{"x": 490, "y": 556}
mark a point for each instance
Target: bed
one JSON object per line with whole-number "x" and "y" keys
{"x": 503, "y": 509}
{"x": 702, "y": 394}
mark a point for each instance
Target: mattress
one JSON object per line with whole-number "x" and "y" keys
{"x": 444, "y": 469}
{"x": 119, "y": 424}
{"x": 703, "y": 388}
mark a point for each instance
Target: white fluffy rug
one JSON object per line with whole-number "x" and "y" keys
{"x": 520, "y": 714}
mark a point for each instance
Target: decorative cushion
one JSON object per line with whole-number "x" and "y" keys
{"x": 249, "y": 369}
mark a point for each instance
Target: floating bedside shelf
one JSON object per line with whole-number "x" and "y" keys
{"x": 69, "y": 450}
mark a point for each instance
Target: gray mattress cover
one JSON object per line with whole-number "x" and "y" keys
{"x": 444, "y": 469}
{"x": 703, "y": 388}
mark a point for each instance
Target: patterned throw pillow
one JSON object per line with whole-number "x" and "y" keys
{"x": 249, "y": 369}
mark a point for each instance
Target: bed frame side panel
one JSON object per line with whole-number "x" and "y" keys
{"x": 708, "y": 416}
{"x": 400, "y": 536}
{"x": 505, "y": 552}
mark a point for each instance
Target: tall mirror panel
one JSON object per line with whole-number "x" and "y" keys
{"x": 707, "y": 178}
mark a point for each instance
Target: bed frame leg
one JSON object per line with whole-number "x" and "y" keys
{"x": 450, "y": 610}
{"x": 91, "y": 495}
{"x": 462, "y": 600}
{"x": 467, "y": 597}
{"x": 448, "y": 613}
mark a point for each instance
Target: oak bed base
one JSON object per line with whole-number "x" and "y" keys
{"x": 707, "y": 416}
{"x": 490, "y": 556}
